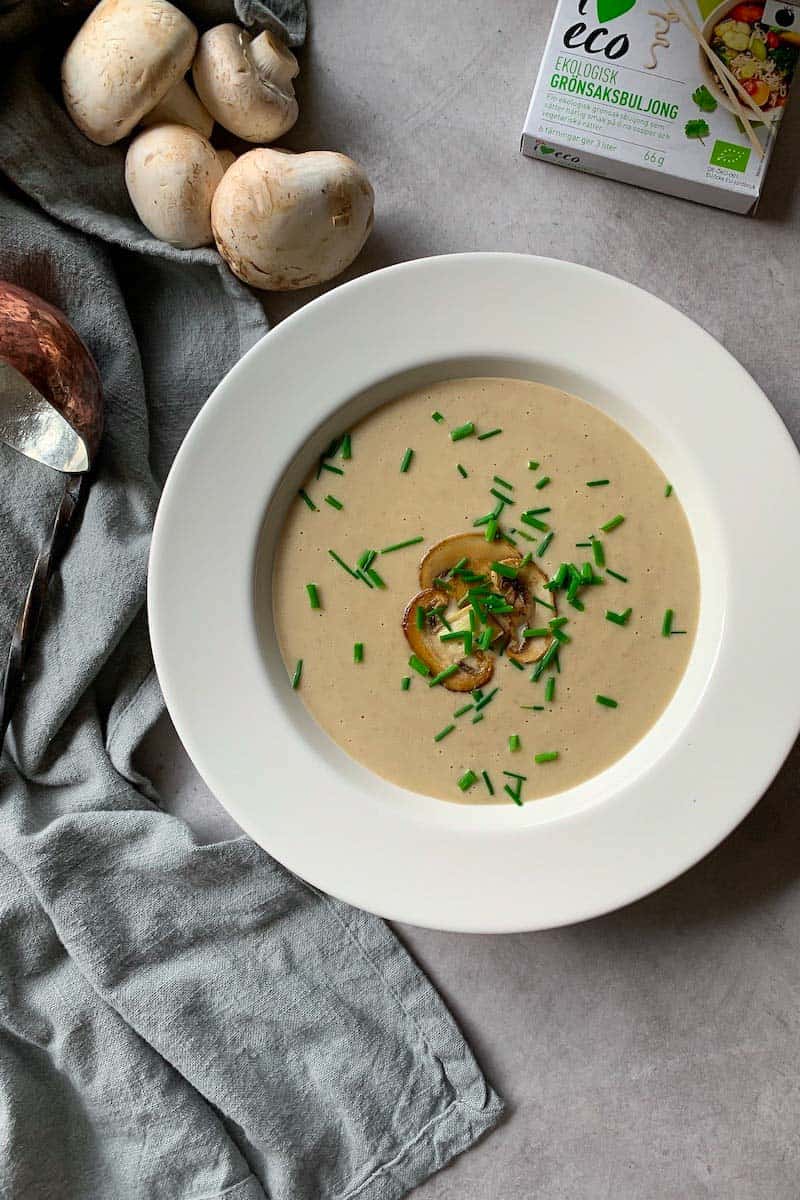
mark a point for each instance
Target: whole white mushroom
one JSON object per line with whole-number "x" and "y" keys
{"x": 284, "y": 221}
{"x": 172, "y": 172}
{"x": 246, "y": 83}
{"x": 123, "y": 60}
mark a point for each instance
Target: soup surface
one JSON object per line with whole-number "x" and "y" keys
{"x": 543, "y": 706}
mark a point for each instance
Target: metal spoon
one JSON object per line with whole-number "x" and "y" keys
{"x": 51, "y": 409}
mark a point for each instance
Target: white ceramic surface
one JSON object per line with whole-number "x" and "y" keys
{"x": 496, "y": 868}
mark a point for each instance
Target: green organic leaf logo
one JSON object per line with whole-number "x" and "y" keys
{"x": 609, "y": 10}
{"x": 547, "y": 150}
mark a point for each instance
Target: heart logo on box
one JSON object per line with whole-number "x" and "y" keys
{"x": 609, "y": 10}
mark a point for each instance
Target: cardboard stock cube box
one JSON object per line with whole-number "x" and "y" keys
{"x": 681, "y": 96}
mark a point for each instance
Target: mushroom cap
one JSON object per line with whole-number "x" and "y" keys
{"x": 284, "y": 221}
{"x": 475, "y": 669}
{"x": 246, "y": 83}
{"x": 172, "y": 172}
{"x": 124, "y": 58}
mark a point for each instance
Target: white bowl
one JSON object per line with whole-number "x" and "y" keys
{"x": 648, "y": 817}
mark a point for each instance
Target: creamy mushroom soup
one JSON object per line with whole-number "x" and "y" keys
{"x": 486, "y": 591}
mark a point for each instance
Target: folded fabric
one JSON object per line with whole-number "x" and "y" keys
{"x": 176, "y": 1020}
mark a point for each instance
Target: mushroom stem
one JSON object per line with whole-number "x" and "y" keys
{"x": 180, "y": 106}
{"x": 275, "y": 64}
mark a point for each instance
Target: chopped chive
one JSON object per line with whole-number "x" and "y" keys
{"x": 484, "y": 700}
{"x": 477, "y": 693}
{"x": 460, "y": 565}
{"x": 491, "y": 529}
{"x": 462, "y": 431}
{"x": 443, "y": 733}
{"x": 419, "y": 617}
{"x": 334, "y": 446}
{"x": 365, "y": 559}
{"x": 485, "y": 639}
{"x": 533, "y": 707}
{"x": 358, "y": 652}
{"x": 534, "y": 522}
{"x": 596, "y": 482}
{"x": 461, "y": 470}
{"x": 668, "y": 490}
{"x": 466, "y": 781}
{"x": 515, "y": 775}
{"x": 347, "y": 450}
{"x": 587, "y": 573}
{"x": 543, "y": 482}
{"x": 607, "y": 701}
{"x": 313, "y": 595}
{"x": 666, "y": 624}
{"x": 437, "y": 416}
{"x": 544, "y": 544}
{"x": 445, "y": 674}
{"x": 503, "y": 482}
{"x": 484, "y": 520}
{"x": 514, "y": 794}
{"x": 612, "y": 524}
{"x": 616, "y": 575}
{"x": 342, "y": 563}
{"x": 536, "y": 633}
{"x": 439, "y": 611}
{"x": 333, "y": 470}
{"x": 533, "y": 465}
{"x": 464, "y": 709}
{"x": 516, "y": 664}
{"x": 405, "y": 683}
{"x": 545, "y": 603}
{"x": 618, "y": 618}
{"x": 486, "y": 779}
{"x": 477, "y": 718}
{"x": 500, "y": 496}
{"x": 537, "y": 512}
{"x": 362, "y": 575}
{"x": 375, "y": 577}
{"x": 599, "y": 553}
{"x": 521, "y": 533}
{"x": 545, "y": 660}
{"x": 557, "y": 622}
{"x": 576, "y": 603}
{"x": 334, "y": 503}
{"x": 550, "y": 689}
{"x": 402, "y": 545}
{"x": 546, "y": 756}
{"x": 560, "y": 636}
{"x": 528, "y": 558}
{"x": 508, "y": 572}
{"x": 407, "y": 457}
{"x": 304, "y": 496}
{"x": 298, "y": 671}
{"x": 489, "y": 433}
{"x": 583, "y": 545}
{"x": 513, "y": 742}
{"x": 418, "y": 665}
{"x": 458, "y": 636}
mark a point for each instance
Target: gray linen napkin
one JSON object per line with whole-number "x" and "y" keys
{"x": 176, "y": 1021}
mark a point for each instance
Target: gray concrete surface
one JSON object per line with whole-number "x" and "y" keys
{"x": 653, "y": 1054}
